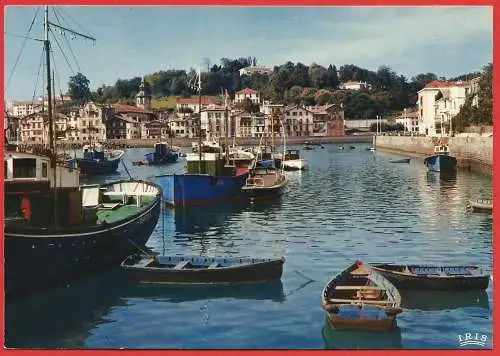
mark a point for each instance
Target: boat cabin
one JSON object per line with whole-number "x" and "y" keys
{"x": 292, "y": 154}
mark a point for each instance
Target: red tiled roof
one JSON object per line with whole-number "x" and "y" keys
{"x": 439, "y": 84}
{"x": 195, "y": 100}
{"x": 247, "y": 91}
{"x": 129, "y": 108}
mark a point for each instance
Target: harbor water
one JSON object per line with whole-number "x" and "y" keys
{"x": 350, "y": 205}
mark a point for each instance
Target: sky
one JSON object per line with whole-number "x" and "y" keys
{"x": 136, "y": 41}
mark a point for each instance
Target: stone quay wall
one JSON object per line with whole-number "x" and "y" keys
{"x": 472, "y": 153}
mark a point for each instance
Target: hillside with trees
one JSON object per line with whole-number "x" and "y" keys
{"x": 292, "y": 83}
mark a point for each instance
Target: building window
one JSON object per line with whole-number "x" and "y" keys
{"x": 44, "y": 170}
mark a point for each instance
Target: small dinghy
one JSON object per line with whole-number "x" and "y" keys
{"x": 480, "y": 205}
{"x": 201, "y": 270}
{"x": 362, "y": 299}
{"x": 427, "y": 277}
{"x": 402, "y": 160}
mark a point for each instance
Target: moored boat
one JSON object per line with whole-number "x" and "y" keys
{"x": 441, "y": 161}
{"x": 264, "y": 183}
{"x": 292, "y": 161}
{"x": 360, "y": 298}
{"x": 201, "y": 270}
{"x": 97, "y": 160}
{"x": 480, "y": 205}
{"x": 89, "y": 228}
{"x": 434, "y": 277}
{"x": 163, "y": 154}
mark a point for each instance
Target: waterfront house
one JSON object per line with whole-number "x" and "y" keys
{"x": 298, "y": 121}
{"x": 123, "y": 127}
{"x": 155, "y": 129}
{"x": 328, "y": 120}
{"x": 213, "y": 121}
{"x": 409, "y": 120}
{"x": 34, "y": 128}
{"x": 439, "y": 101}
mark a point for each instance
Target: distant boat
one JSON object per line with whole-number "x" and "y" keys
{"x": 441, "y": 161}
{"x": 292, "y": 161}
{"x": 96, "y": 160}
{"x": 201, "y": 270}
{"x": 308, "y": 147}
{"x": 163, "y": 154}
{"x": 370, "y": 149}
{"x": 361, "y": 299}
{"x": 401, "y": 160}
{"x": 340, "y": 147}
{"x": 352, "y": 147}
{"x": 480, "y": 205}
{"x": 434, "y": 277}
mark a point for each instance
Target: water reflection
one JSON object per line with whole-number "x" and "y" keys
{"x": 355, "y": 340}
{"x": 65, "y": 317}
{"x": 444, "y": 179}
{"x": 441, "y": 300}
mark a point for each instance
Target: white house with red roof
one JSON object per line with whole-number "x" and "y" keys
{"x": 438, "y": 102}
{"x": 249, "y": 93}
{"x": 193, "y": 103}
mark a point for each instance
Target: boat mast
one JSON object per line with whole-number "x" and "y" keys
{"x": 46, "y": 43}
{"x": 199, "y": 121}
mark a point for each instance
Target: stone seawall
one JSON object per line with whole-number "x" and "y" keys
{"x": 472, "y": 153}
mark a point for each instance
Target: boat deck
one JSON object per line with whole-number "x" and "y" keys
{"x": 114, "y": 211}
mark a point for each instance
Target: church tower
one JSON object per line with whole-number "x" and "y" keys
{"x": 143, "y": 97}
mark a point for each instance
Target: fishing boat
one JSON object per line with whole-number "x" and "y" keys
{"x": 432, "y": 277}
{"x": 292, "y": 161}
{"x": 352, "y": 147}
{"x": 441, "y": 161}
{"x": 401, "y": 160}
{"x": 361, "y": 299}
{"x": 201, "y": 270}
{"x": 240, "y": 157}
{"x": 97, "y": 160}
{"x": 208, "y": 177}
{"x": 266, "y": 182}
{"x": 480, "y": 205}
{"x": 163, "y": 154}
{"x": 56, "y": 230}
{"x": 308, "y": 146}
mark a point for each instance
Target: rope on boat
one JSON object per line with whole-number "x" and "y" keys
{"x": 304, "y": 276}
{"x": 126, "y": 169}
{"x": 140, "y": 249}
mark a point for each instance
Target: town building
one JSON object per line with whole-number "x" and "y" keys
{"x": 255, "y": 70}
{"x": 355, "y": 86}
{"x": 247, "y": 93}
{"x": 192, "y": 105}
{"x": 409, "y": 120}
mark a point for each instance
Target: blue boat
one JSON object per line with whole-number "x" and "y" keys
{"x": 96, "y": 160}
{"x": 441, "y": 161}
{"x": 163, "y": 154}
{"x": 216, "y": 182}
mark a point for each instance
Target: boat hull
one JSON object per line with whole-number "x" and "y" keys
{"x": 433, "y": 281}
{"x": 440, "y": 163}
{"x": 402, "y": 160}
{"x": 260, "y": 271}
{"x": 485, "y": 206}
{"x": 362, "y": 323}
{"x": 40, "y": 258}
{"x": 93, "y": 167}
{"x": 295, "y": 165}
{"x": 199, "y": 189}
{"x": 154, "y": 160}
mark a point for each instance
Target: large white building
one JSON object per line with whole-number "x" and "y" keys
{"x": 409, "y": 120}
{"x": 439, "y": 101}
{"x": 247, "y": 93}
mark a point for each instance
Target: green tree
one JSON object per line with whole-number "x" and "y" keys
{"x": 79, "y": 88}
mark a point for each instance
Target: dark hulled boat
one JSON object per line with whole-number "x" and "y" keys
{"x": 359, "y": 298}
{"x": 441, "y": 161}
{"x": 96, "y": 160}
{"x": 264, "y": 183}
{"x": 432, "y": 277}
{"x": 91, "y": 227}
{"x": 201, "y": 270}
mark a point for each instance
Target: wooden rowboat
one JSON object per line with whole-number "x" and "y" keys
{"x": 360, "y": 298}
{"x": 480, "y": 205}
{"x": 430, "y": 277}
{"x": 201, "y": 270}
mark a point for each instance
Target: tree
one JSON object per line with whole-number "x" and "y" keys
{"x": 79, "y": 88}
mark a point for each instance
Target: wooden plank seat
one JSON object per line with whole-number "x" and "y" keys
{"x": 181, "y": 264}
{"x": 145, "y": 262}
{"x": 354, "y": 301}
{"x": 358, "y": 288}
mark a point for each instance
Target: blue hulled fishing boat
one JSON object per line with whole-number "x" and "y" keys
{"x": 441, "y": 161}
{"x": 96, "y": 160}
{"x": 208, "y": 176}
